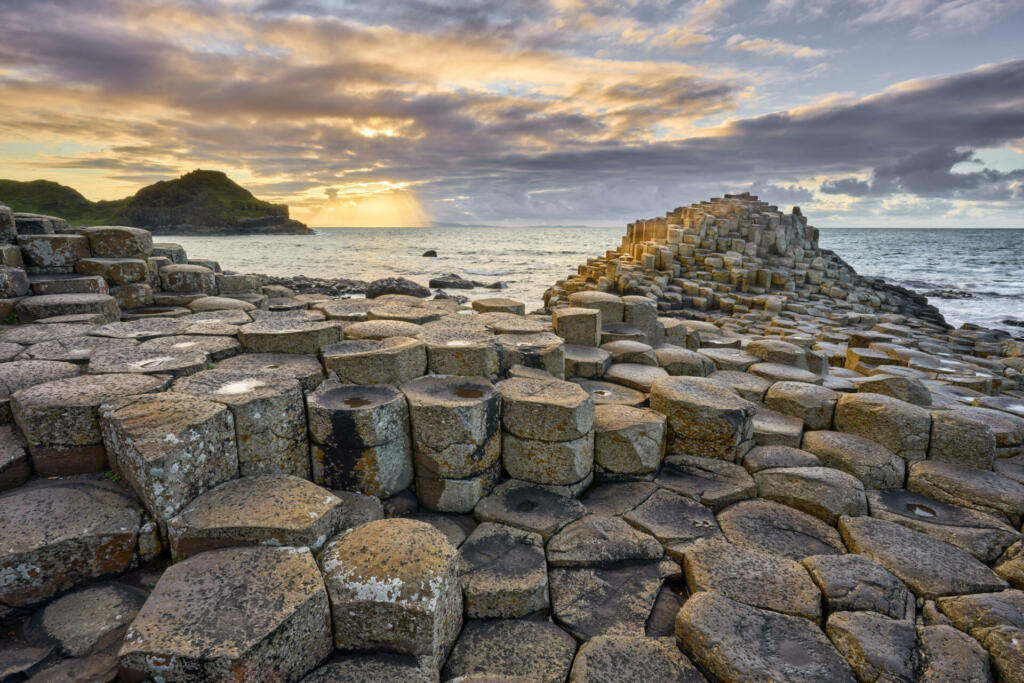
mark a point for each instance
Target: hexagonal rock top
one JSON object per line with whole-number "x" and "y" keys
{"x": 394, "y": 586}
{"x": 55, "y": 535}
{"x": 252, "y": 614}
{"x": 272, "y": 510}
{"x": 288, "y": 336}
{"x": 547, "y": 410}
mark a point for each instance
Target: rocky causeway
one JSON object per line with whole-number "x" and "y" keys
{"x": 718, "y": 453}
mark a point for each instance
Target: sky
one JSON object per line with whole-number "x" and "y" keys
{"x": 882, "y": 113}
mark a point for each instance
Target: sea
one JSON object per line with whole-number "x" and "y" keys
{"x": 971, "y": 275}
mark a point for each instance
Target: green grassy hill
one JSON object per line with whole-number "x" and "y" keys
{"x": 204, "y": 202}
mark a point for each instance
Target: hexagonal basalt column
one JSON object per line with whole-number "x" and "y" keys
{"x": 628, "y": 440}
{"x": 270, "y": 509}
{"x": 60, "y": 419}
{"x": 548, "y": 426}
{"x": 187, "y": 278}
{"x": 394, "y": 587}
{"x": 578, "y": 326}
{"x": 704, "y": 418}
{"x": 503, "y": 572}
{"x": 116, "y": 271}
{"x": 35, "y": 308}
{"x": 55, "y": 535}
{"x": 138, "y": 360}
{"x": 253, "y": 614}
{"x": 53, "y": 253}
{"x": 114, "y": 241}
{"x": 169, "y": 447}
{"x": 306, "y": 369}
{"x": 269, "y": 416}
{"x": 456, "y": 435}
{"x": 542, "y": 351}
{"x": 369, "y": 361}
{"x": 288, "y": 336}
{"x": 461, "y": 350}
{"x": 360, "y": 438}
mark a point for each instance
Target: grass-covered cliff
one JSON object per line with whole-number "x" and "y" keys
{"x": 200, "y": 202}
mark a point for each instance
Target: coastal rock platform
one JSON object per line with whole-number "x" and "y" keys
{"x": 718, "y": 454}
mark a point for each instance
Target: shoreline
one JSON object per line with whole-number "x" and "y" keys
{"x": 716, "y": 426}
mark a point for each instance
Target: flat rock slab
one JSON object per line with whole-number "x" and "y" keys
{"x": 72, "y": 349}
{"x": 546, "y": 410}
{"x": 951, "y": 655}
{"x": 928, "y": 566}
{"x": 748, "y": 386}
{"x": 529, "y": 507}
{"x": 736, "y": 642}
{"x": 614, "y": 499}
{"x": 216, "y": 346}
{"x": 141, "y": 330}
{"x": 288, "y": 336}
{"x": 676, "y": 521}
{"x": 56, "y": 535}
{"x": 90, "y": 620}
{"x": 704, "y": 418}
{"x": 710, "y": 481}
{"x": 394, "y": 587}
{"x": 381, "y": 329}
{"x": 380, "y": 668}
{"x": 35, "y": 334}
{"x": 614, "y": 600}
{"x": 306, "y": 369}
{"x": 996, "y": 620}
{"x": 608, "y": 393}
{"x": 901, "y": 427}
{"x": 875, "y": 465}
{"x": 614, "y": 659}
{"x": 511, "y": 650}
{"x": 877, "y": 647}
{"x": 981, "y": 535}
{"x": 598, "y": 541}
{"x": 42, "y": 306}
{"x": 752, "y": 577}
{"x": 778, "y": 529}
{"x": 20, "y": 374}
{"x": 823, "y": 492}
{"x": 987, "y": 492}
{"x": 138, "y": 360}
{"x": 270, "y": 510}
{"x": 638, "y": 376}
{"x": 502, "y": 572}
{"x": 258, "y": 613}
{"x": 852, "y": 582}
{"x": 769, "y": 457}
{"x": 376, "y": 361}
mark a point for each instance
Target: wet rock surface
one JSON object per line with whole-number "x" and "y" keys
{"x": 717, "y": 432}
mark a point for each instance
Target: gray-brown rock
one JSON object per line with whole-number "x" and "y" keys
{"x": 510, "y": 651}
{"x": 136, "y": 360}
{"x": 628, "y": 440}
{"x": 90, "y": 620}
{"x": 371, "y": 361}
{"x": 529, "y": 507}
{"x": 260, "y": 614}
{"x": 987, "y": 492}
{"x": 306, "y": 369}
{"x": 813, "y": 404}
{"x": 960, "y": 439}
{"x": 613, "y": 659}
{"x": 768, "y": 457}
{"x": 677, "y": 361}
{"x": 289, "y": 336}
{"x": 823, "y": 492}
{"x": 710, "y": 481}
{"x": 704, "y": 418}
{"x": 598, "y": 541}
{"x": 778, "y": 529}
{"x": 638, "y": 376}
{"x": 588, "y": 362}
{"x": 950, "y": 656}
{"x": 875, "y": 465}
{"x": 877, "y": 647}
{"x": 578, "y": 326}
{"x": 676, "y": 521}
{"x": 14, "y": 463}
{"x": 541, "y": 351}
{"x": 901, "y": 427}
{"x": 502, "y": 572}
{"x": 852, "y": 582}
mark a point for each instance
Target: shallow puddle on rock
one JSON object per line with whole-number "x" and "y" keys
{"x": 527, "y": 506}
{"x": 467, "y": 392}
{"x": 151, "y": 362}
{"x": 239, "y": 387}
{"x": 920, "y": 510}
{"x": 356, "y": 402}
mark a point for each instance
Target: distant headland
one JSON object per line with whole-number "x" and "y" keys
{"x": 198, "y": 203}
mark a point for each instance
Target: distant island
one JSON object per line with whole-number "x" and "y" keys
{"x": 198, "y": 203}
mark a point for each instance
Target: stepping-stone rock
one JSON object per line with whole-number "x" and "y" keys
{"x": 906, "y": 389}
{"x": 359, "y": 438}
{"x": 588, "y": 362}
{"x": 116, "y": 271}
{"x": 811, "y": 403}
{"x": 35, "y": 334}
{"x": 56, "y": 535}
{"x": 72, "y": 349}
{"x": 169, "y": 447}
{"x": 119, "y": 242}
{"x": 958, "y": 438}
{"x": 217, "y": 347}
{"x": 380, "y": 329}
{"x": 772, "y": 428}
{"x": 268, "y": 510}
{"x": 89, "y": 620}
{"x": 950, "y": 656}
{"x": 42, "y": 306}
{"x": 676, "y": 521}
{"x": 14, "y": 282}
{"x": 875, "y": 465}
{"x": 1007, "y": 428}
{"x": 631, "y": 352}
{"x": 710, "y": 481}
{"x": 677, "y": 361}
{"x": 704, "y": 418}
{"x": 456, "y": 495}
{"x": 776, "y": 372}
{"x": 600, "y": 541}
{"x": 21, "y": 374}
{"x": 14, "y": 463}
{"x": 499, "y": 305}
{"x": 610, "y": 305}
{"x": 60, "y": 419}
{"x": 461, "y": 351}
{"x": 778, "y": 351}
{"x": 876, "y": 647}
{"x": 137, "y": 360}
{"x": 191, "y": 625}
{"x": 306, "y": 369}
{"x": 288, "y": 336}
{"x": 188, "y": 278}
{"x": 517, "y": 325}
{"x": 613, "y": 499}
{"x": 542, "y": 351}
{"x": 981, "y": 535}
{"x": 142, "y": 330}
{"x": 628, "y": 440}
{"x": 823, "y": 492}
{"x": 269, "y": 418}
{"x": 611, "y": 332}
{"x": 901, "y": 427}
{"x": 370, "y": 361}
{"x": 394, "y": 587}
{"x": 53, "y": 252}
{"x": 610, "y": 600}
{"x": 377, "y": 667}
{"x": 283, "y": 311}
{"x": 748, "y": 386}
{"x": 996, "y": 620}
{"x": 578, "y": 326}
{"x": 227, "y": 317}
{"x": 853, "y": 583}
{"x": 928, "y": 566}
{"x": 771, "y": 527}
{"x": 987, "y": 492}
{"x": 731, "y": 360}
{"x": 502, "y": 572}
{"x": 636, "y": 376}
{"x": 733, "y": 641}
{"x": 417, "y": 315}
{"x": 611, "y": 659}
{"x": 768, "y": 457}
{"x": 510, "y": 651}
{"x": 607, "y": 393}
{"x": 753, "y": 577}
{"x": 529, "y": 507}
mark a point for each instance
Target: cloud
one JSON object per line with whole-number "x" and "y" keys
{"x": 772, "y": 47}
